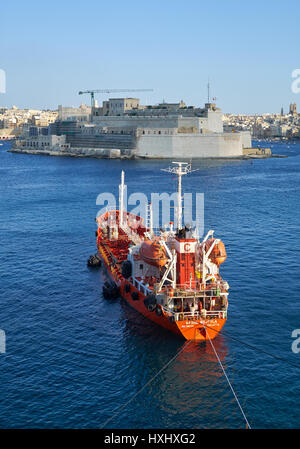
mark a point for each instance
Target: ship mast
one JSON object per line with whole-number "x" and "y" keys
{"x": 182, "y": 168}
{"x": 121, "y": 197}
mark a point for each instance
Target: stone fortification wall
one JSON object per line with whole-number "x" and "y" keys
{"x": 190, "y": 145}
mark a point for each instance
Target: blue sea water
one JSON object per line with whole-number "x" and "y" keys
{"x": 72, "y": 358}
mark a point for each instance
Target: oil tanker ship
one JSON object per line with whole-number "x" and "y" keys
{"x": 169, "y": 276}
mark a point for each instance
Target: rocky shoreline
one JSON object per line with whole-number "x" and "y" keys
{"x": 78, "y": 152}
{"x": 116, "y": 154}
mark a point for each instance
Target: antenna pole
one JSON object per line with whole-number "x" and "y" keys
{"x": 179, "y": 197}
{"x": 121, "y": 198}
{"x": 183, "y": 168}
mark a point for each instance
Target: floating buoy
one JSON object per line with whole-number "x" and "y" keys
{"x": 94, "y": 261}
{"x": 110, "y": 290}
{"x": 126, "y": 269}
{"x": 135, "y": 296}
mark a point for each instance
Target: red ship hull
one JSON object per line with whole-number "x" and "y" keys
{"x": 191, "y": 329}
{"x": 170, "y": 277}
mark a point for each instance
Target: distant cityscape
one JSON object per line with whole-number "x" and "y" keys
{"x": 15, "y": 122}
{"x": 123, "y": 128}
{"x": 283, "y": 125}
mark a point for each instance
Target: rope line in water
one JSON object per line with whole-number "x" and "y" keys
{"x": 229, "y": 383}
{"x": 118, "y": 411}
{"x": 254, "y": 348}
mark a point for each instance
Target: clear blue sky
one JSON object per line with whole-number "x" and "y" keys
{"x": 248, "y": 49}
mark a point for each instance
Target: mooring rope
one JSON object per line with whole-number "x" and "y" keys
{"x": 229, "y": 383}
{"x": 254, "y": 348}
{"x": 118, "y": 411}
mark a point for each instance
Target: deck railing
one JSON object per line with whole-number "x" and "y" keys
{"x": 186, "y": 289}
{"x": 208, "y": 314}
{"x": 141, "y": 286}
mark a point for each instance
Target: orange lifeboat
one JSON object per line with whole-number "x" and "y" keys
{"x": 218, "y": 254}
{"x": 153, "y": 254}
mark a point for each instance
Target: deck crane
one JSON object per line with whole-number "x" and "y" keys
{"x": 108, "y": 91}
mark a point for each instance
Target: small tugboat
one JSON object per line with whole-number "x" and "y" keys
{"x": 171, "y": 277}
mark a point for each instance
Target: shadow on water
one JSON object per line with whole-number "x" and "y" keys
{"x": 194, "y": 368}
